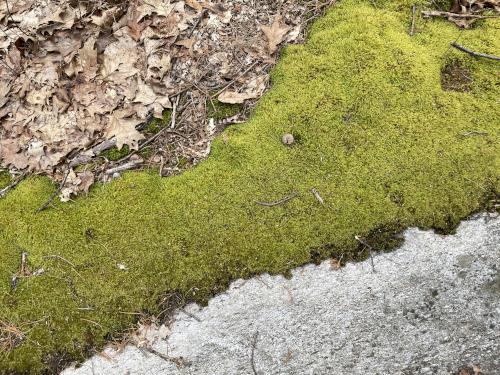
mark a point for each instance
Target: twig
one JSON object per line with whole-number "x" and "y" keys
{"x": 234, "y": 80}
{"x": 54, "y": 194}
{"x": 16, "y": 182}
{"x": 202, "y": 15}
{"x": 96, "y": 150}
{"x": 476, "y": 54}
{"x": 64, "y": 260}
{"x": 473, "y": 132}
{"x": 317, "y": 196}
{"x": 174, "y": 112}
{"x": 252, "y": 353}
{"x": 413, "y": 13}
{"x": 23, "y": 270}
{"x": 91, "y": 321}
{"x": 24, "y": 264}
{"x": 435, "y": 13}
{"x": 123, "y": 167}
{"x": 263, "y": 282}
{"x": 236, "y": 119}
{"x": 278, "y": 202}
{"x": 178, "y": 361}
{"x": 363, "y": 242}
{"x": 191, "y": 315}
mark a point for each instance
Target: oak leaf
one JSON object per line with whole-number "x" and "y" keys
{"x": 275, "y": 34}
{"x": 125, "y": 132}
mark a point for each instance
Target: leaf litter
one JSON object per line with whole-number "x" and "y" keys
{"x": 464, "y": 13}
{"x": 78, "y": 78}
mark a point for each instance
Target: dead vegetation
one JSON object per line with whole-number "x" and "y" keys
{"x": 456, "y": 77}
{"x": 79, "y": 78}
{"x": 465, "y": 12}
{"x": 11, "y": 336}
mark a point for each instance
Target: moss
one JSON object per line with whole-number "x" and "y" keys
{"x": 5, "y": 178}
{"x": 220, "y": 111}
{"x": 147, "y": 152}
{"x": 380, "y": 140}
{"x": 115, "y": 154}
{"x": 159, "y": 123}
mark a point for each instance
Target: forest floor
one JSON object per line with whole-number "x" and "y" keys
{"x": 375, "y": 124}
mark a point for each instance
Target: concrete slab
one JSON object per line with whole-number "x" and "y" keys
{"x": 430, "y": 307}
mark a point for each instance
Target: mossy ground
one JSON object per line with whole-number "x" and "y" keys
{"x": 379, "y": 139}
{"x": 5, "y": 178}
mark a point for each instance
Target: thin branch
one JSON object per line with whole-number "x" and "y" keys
{"x": 123, "y": 167}
{"x": 278, "y": 202}
{"x": 96, "y": 150}
{"x": 64, "y": 260}
{"x": 476, "y": 54}
{"x": 174, "y": 112}
{"x": 202, "y": 15}
{"x": 92, "y": 322}
{"x": 473, "y": 132}
{"x": 413, "y": 14}
{"x": 190, "y": 315}
{"x": 179, "y": 362}
{"x": 16, "y": 182}
{"x": 234, "y": 80}
{"x": 368, "y": 246}
{"x": 54, "y": 194}
{"x": 435, "y": 13}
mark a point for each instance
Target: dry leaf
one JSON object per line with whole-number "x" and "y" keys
{"x": 254, "y": 90}
{"x": 275, "y": 34}
{"x": 98, "y": 70}
{"x": 125, "y": 132}
{"x": 194, "y": 4}
{"x": 145, "y": 94}
{"x": 87, "y": 179}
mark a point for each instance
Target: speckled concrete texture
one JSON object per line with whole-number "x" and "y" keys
{"x": 430, "y": 307}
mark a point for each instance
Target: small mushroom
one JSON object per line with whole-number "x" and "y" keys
{"x": 287, "y": 139}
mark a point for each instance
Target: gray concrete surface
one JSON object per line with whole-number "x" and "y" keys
{"x": 430, "y": 307}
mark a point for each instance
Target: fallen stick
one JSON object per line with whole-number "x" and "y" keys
{"x": 234, "y": 80}
{"x": 413, "y": 13}
{"x": 190, "y": 315}
{"x": 123, "y": 167}
{"x": 96, "y": 150}
{"x": 16, "y": 182}
{"x": 435, "y": 13}
{"x": 472, "y": 53}
{"x": 179, "y": 362}
{"x": 54, "y": 194}
{"x": 278, "y": 202}
{"x": 367, "y": 245}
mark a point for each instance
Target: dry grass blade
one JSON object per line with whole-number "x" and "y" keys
{"x": 278, "y": 202}
{"x": 11, "y": 336}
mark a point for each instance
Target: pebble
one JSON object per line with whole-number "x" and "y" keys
{"x": 287, "y": 139}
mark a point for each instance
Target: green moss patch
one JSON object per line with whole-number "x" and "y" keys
{"x": 220, "y": 111}
{"x": 380, "y": 140}
{"x": 5, "y": 179}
